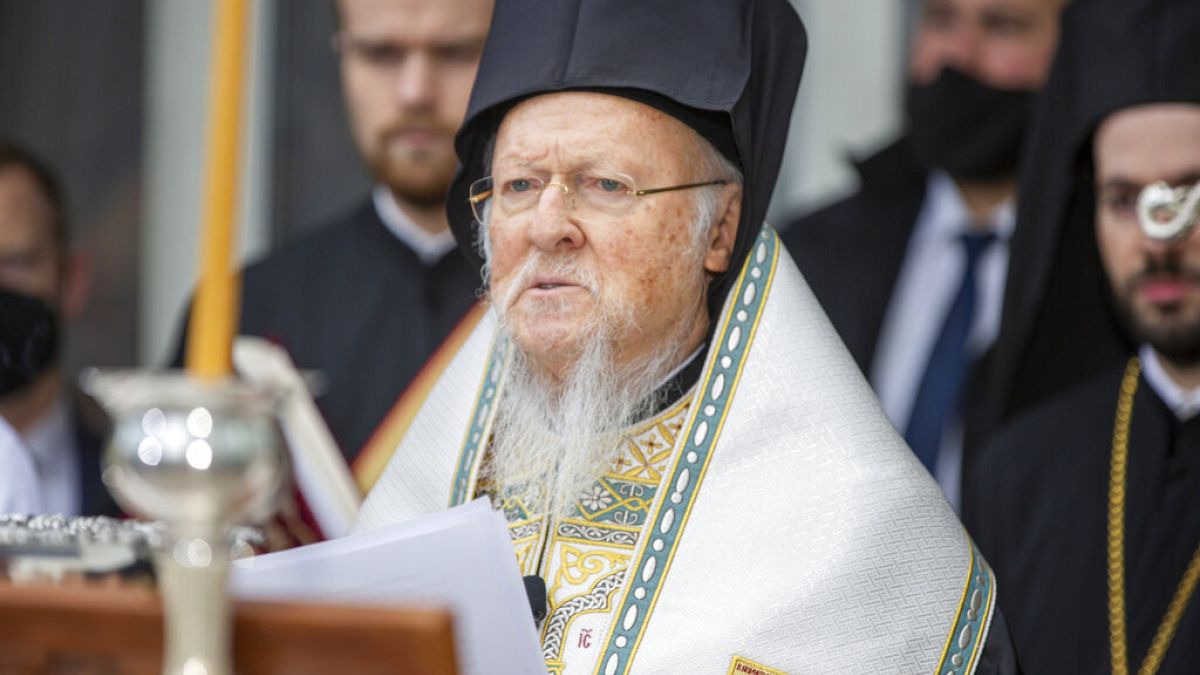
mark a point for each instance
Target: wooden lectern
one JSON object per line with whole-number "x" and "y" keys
{"x": 118, "y": 630}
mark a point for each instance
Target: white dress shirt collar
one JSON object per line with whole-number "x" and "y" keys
{"x": 1185, "y": 403}
{"x": 51, "y": 443}
{"x": 19, "y": 489}
{"x": 430, "y": 248}
{"x": 945, "y": 214}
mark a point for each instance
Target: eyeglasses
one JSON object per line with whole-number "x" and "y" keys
{"x": 587, "y": 194}
{"x": 387, "y": 57}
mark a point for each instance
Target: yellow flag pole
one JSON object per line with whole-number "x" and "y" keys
{"x": 214, "y": 314}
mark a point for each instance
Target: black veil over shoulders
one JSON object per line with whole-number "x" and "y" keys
{"x": 1059, "y": 326}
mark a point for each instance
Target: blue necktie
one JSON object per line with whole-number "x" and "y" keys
{"x": 941, "y": 387}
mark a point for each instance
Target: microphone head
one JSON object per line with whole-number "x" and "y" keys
{"x": 535, "y": 588}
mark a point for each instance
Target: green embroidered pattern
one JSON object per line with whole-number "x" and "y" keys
{"x": 726, "y": 358}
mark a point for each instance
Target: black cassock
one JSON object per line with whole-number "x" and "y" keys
{"x": 1058, "y": 327}
{"x": 355, "y": 303}
{"x": 1036, "y": 501}
{"x": 1045, "y": 480}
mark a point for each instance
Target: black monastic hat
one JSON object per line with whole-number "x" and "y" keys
{"x": 714, "y": 64}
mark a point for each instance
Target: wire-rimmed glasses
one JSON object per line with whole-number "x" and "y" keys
{"x": 587, "y": 194}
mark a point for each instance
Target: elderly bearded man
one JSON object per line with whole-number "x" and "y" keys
{"x": 696, "y": 496}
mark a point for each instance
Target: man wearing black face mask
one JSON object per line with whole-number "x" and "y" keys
{"x": 912, "y": 268}
{"x": 40, "y": 283}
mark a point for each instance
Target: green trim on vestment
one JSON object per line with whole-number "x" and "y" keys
{"x": 963, "y": 645}
{"x": 475, "y": 439}
{"x": 726, "y": 358}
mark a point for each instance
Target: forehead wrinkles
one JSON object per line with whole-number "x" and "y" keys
{"x": 984, "y": 7}
{"x": 22, "y": 201}
{"x": 416, "y": 23}
{"x": 559, "y": 155}
{"x": 591, "y": 128}
{"x": 1149, "y": 143}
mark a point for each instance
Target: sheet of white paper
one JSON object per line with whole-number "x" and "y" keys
{"x": 320, "y": 470}
{"x": 460, "y": 558}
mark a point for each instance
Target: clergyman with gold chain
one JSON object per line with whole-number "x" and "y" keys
{"x": 1089, "y": 507}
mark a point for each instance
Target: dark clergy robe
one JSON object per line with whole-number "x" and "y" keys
{"x": 91, "y": 434}
{"x": 354, "y": 302}
{"x": 1045, "y": 480}
{"x": 850, "y": 252}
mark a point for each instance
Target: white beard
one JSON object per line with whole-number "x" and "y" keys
{"x": 553, "y": 440}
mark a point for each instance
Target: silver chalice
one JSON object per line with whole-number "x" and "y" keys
{"x": 200, "y": 456}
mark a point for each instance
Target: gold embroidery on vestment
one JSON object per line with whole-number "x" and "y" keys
{"x": 584, "y": 558}
{"x": 744, "y": 666}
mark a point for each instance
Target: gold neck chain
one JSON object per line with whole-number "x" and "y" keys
{"x": 1116, "y": 549}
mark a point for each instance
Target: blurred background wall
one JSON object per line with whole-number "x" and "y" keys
{"x": 71, "y": 83}
{"x": 113, "y": 94}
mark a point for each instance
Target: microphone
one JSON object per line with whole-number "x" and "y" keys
{"x": 535, "y": 588}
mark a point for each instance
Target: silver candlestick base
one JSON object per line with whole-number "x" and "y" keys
{"x": 199, "y": 456}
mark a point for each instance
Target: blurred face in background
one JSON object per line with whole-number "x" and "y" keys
{"x": 974, "y": 67}
{"x": 30, "y": 257}
{"x": 407, "y": 70}
{"x": 1156, "y": 283}
{"x": 1006, "y": 44}
{"x": 40, "y": 284}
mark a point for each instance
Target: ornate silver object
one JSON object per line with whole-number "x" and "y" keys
{"x": 45, "y": 547}
{"x": 1168, "y": 213}
{"x": 200, "y": 457}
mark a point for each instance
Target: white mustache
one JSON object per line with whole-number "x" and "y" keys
{"x": 541, "y": 265}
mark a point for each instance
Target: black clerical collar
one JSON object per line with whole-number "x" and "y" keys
{"x": 680, "y": 381}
